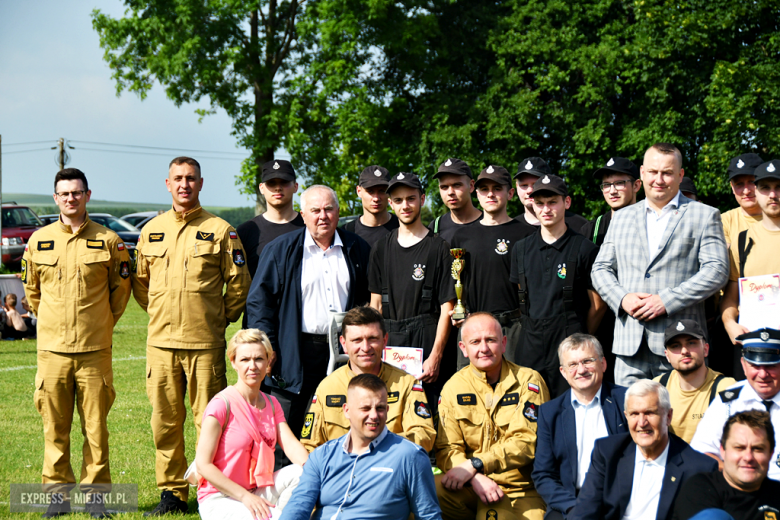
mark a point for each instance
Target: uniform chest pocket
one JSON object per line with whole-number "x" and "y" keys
{"x": 471, "y": 422}
{"x": 50, "y": 272}
{"x": 203, "y": 261}
{"x": 156, "y": 256}
{"x": 94, "y": 266}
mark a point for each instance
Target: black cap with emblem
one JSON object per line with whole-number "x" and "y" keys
{"x": 374, "y": 175}
{"x": 495, "y": 173}
{"x": 687, "y": 186}
{"x": 743, "y": 164}
{"x": 278, "y": 169}
{"x": 768, "y": 170}
{"x": 405, "y": 179}
{"x": 453, "y": 166}
{"x": 761, "y": 347}
{"x": 617, "y": 165}
{"x": 683, "y": 328}
{"x": 535, "y": 166}
{"x": 550, "y": 185}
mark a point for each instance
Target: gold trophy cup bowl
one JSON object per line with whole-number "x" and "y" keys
{"x": 459, "y": 312}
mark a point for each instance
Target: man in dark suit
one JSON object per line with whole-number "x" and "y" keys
{"x": 638, "y": 474}
{"x": 570, "y": 424}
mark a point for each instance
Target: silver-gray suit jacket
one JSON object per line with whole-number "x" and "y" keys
{"x": 690, "y": 265}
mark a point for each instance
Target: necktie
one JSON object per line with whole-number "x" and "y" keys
{"x": 767, "y": 404}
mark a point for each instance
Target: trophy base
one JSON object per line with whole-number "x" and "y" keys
{"x": 459, "y": 313}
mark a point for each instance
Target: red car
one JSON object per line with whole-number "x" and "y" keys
{"x": 19, "y": 223}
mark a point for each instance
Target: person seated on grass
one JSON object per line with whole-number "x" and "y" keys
{"x": 15, "y": 325}
{"x": 240, "y": 428}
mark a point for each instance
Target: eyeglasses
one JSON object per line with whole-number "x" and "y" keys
{"x": 619, "y": 185}
{"x": 587, "y": 363}
{"x": 76, "y": 194}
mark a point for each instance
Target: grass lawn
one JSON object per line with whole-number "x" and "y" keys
{"x": 132, "y": 447}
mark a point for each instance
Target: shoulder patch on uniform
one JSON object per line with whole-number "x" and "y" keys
{"x": 96, "y": 244}
{"x": 134, "y": 260}
{"x": 233, "y": 235}
{"x": 510, "y": 399}
{"x": 238, "y": 257}
{"x": 156, "y": 237}
{"x": 209, "y": 237}
{"x": 124, "y": 269}
{"x": 24, "y": 270}
{"x": 534, "y": 388}
{"x": 46, "y": 245}
{"x": 467, "y": 399}
{"x": 730, "y": 395}
{"x": 334, "y": 401}
{"x": 392, "y": 397}
{"x": 417, "y": 386}
{"x": 308, "y": 421}
{"x": 529, "y": 410}
{"x": 314, "y": 399}
{"x": 120, "y": 246}
{"x": 421, "y": 409}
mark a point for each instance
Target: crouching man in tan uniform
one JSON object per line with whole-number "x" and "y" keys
{"x": 190, "y": 275}
{"x": 487, "y": 431}
{"x": 76, "y": 275}
{"x": 363, "y": 337}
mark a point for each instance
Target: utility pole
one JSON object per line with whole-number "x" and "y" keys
{"x": 61, "y": 152}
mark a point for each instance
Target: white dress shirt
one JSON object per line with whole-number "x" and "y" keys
{"x": 324, "y": 283}
{"x": 646, "y": 487}
{"x": 590, "y": 425}
{"x": 656, "y": 224}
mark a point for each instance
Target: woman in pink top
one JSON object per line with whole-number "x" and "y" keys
{"x": 240, "y": 428}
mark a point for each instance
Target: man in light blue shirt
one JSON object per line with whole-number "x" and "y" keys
{"x": 369, "y": 472}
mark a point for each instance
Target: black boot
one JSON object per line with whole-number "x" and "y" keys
{"x": 59, "y": 505}
{"x": 169, "y": 503}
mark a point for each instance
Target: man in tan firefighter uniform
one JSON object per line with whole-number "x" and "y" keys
{"x": 190, "y": 275}
{"x": 487, "y": 431}
{"x": 363, "y": 337}
{"x": 76, "y": 275}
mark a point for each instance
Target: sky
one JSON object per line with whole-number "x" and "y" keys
{"x": 54, "y": 83}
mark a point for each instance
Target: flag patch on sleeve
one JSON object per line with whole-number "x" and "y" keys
{"x": 233, "y": 235}
{"x": 534, "y": 388}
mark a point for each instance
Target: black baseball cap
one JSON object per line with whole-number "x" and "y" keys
{"x": 550, "y": 185}
{"x": 768, "y": 170}
{"x": 453, "y": 166}
{"x": 617, "y": 165}
{"x": 405, "y": 179}
{"x": 743, "y": 164}
{"x": 533, "y": 166}
{"x": 687, "y": 185}
{"x": 761, "y": 347}
{"x": 278, "y": 169}
{"x": 374, "y": 175}
{"x": 683, "y": 328}
{"x": 495, "y": 173}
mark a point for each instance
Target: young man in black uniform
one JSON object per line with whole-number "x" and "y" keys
{"x": 561, "y": 300}
{"x": 455, "y": 187}
{"x": 488, "y": 253}
{"x": 528, "y": 172}
{"x": 278, "y": 188}
{"x": 619, "y": 183}
{"x": 409, "y": 277}
{"x": 375, "y": 222}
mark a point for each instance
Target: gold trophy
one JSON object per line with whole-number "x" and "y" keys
{"x": 459, "y": 313}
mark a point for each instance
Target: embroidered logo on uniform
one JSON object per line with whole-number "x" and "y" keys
{"x": 770, "y": 168}
{"x": 401, "y": 176}
{"x": 134, "y": 259}
{"x": 233, "y": 235}
{"x": 238, "y": 257}
{"x": 611, "y": 162}
{"x": 740, "y": 164}
{"x": 529, "y": 411}
{"x": 377, "y": 173}
{"x": 418, "y": 387}
{"x": 764, "y": 336}
{"x": 534, "y": 388}
{"x": 770, "y": 513}
{"x": 546, "y": 180}
{"x": 509, "y": 399}
{"x": 502, "y": 246}
{"x": 467, "y": 399}
{"x": 307, "y": 423}
{"x": 276, "y": 165}
{"x": 46, "y": 246}
{"x": 439, "y": 399}
{"x": 562, "y": 271}
{"x": 489, "y": 169}
{"x": 95, "y": 244}
{"x": 314, "y": 399}
{"x": 448, "y": 163}
{"x": 491, "y": 514}
{"x": 680, "y": 326}
{"x": 392, "y": 397}
{"x": 421, "y": 409}
{"x": 120, "y": 246}
{"x": 419, "y": 272}
{"x": 26, "y": 247}
{"x": 24, "y": 270}
{"x": 124, "y": 269}
{"x": 729, "y": 395}
{"x": 156, "y": 237}
{"x": 335, "y": 401}
{"x": 209, "y": 237}
{"x": 529, "y": 165}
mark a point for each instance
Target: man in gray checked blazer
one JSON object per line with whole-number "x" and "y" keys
{"x": 660, "y": 260}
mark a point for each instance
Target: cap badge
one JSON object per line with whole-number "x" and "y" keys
{"x": 546, "y": 180}
{"x": 448, "y": 163}
{"x": 740, "y": 163}
{"x": 401, "y": 176}
{"x": 611, "y": 162}
{"x": 680, "y": 326}
{"x": 490, "y": 169}
{"x": 529, "y": 165}
{"x": 377, "y": 173}
{"x": 770, "y": 168}
{"x": 276, "y": 166}
{"x": 764, "y": 336}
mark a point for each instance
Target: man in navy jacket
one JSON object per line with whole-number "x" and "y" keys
{"x": 300, "y": 277}
{"x": 570, "y": 424}
{"x": 639, "y": 474}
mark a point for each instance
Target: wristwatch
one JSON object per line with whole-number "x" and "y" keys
{"x": 477, "y": 463}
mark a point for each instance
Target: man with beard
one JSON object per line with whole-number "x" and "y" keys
{"x": 375, "y": 222}
{"x": 455, "y": 187}
{"x": 692, "y": 385}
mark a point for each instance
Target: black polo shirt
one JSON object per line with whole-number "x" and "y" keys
{"x": 710, "y": 490}
{"x": 547, "y": 269}
{"x": 573, "y": 221}
{"x": 371, "y": 234}
{"x": 488, "y": 256}
{"x": 447, "y": 227}
{"x": 589, "y": 229}
{"x": 255, "y": 234}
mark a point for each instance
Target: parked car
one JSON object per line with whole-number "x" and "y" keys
{"x": 127, "y": 232}
{"x": 19, "y": 223}
{"x": 49, "y": 219}
{"x": 140, "y": 219}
